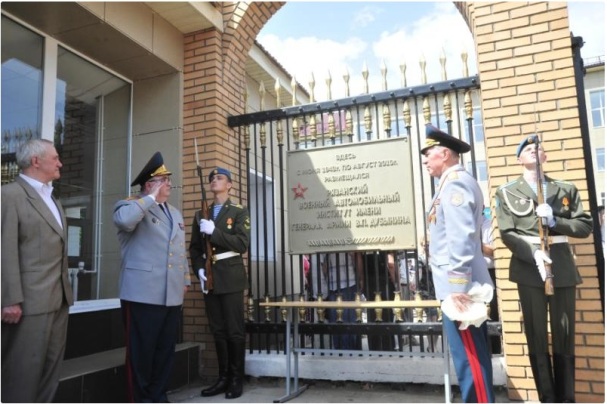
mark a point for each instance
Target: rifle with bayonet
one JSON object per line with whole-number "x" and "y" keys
{"x": 543, "y": 227}
{"x": 208, "y": 265}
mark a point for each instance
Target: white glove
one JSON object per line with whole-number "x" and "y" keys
{"x": 541, "y": 257}
{"x": 545, "y": 212}
{"x": 203, "y": 279}
{"x": 207, "y": 226}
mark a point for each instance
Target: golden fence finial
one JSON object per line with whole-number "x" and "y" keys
{"x": 443, "y": 63}
{"x": 313, "y": 127}
{"x": 407, "y": 113}
{"x": 384, "y": 76}
{"x": 368, "y": 120}
{"x": 311, "y": 84}
{"x": 339, "y": 312}
{"x": 387, "y": 115}
{"x": 262, "y": 96}
{"x": 279, "y": 132}
{"x": 468, "y": 105}
{"x": 296, "y": 131}
{"x": 447, "y": 108}
{"x": 302, "y": 310}
{"x": 426, "y": 111}
{"x": 294, "y": 91}
{"x": 403, "y": 71}
{"x": 277, "y": 89}
{"x": 247, "y": 137}
{"x": 397, "y": 311}
{"x": 262, "y": 134}
{"x": 422, "y": 66}
{"x": 365, "y": 73}
{"x": 419, "y": 312}
{"x": 331, "y": 126}
{"x": 379, "y": 310}
{"x": 349, "y": 124}
{"x": 320, "y": 311}
{"x": 347, "y": 81}
{"x": 328, "y": 80}
{"x": 465, "y": 63}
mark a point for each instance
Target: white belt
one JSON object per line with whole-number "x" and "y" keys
{"x": 222, "y": 256}
{"x": 551, "y": 239}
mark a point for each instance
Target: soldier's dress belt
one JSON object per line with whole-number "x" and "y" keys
{"x": 551, "y": 239}
{"x": 222, "y": 256}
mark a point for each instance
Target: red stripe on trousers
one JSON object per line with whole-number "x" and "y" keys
{"x": 475, "y": 366}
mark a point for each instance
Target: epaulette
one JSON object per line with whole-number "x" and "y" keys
{"x": 563, "y": 182}
{"x": 131, "y": 198}
{"x": 508, "y": 184}
{"x": 452, "y": 176}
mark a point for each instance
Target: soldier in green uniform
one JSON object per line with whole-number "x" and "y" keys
{"x": 518, "y": 215}
{"x": 229, "y": 230}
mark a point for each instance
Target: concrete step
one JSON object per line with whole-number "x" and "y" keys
{"x": 101, "y": 378}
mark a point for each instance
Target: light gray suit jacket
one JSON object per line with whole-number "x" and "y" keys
{"x": 154, "y": 264}
{"x": 34, "y": 252}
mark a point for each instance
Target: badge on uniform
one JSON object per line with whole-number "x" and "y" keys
{"x": 229, "y": 222}
{"x": 181, "y": 227}
{"x": 457, "y": 198}
{"x": 247, "y": 223}
{"x": 565, "y": 204}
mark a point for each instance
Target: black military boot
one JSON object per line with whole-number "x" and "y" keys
{"x": 564, "y": 378}
{"x": 541, "y": 366}
{"x": 237, "y": 355}
{"x": 221, "y": 385}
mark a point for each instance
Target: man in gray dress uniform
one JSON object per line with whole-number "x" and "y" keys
{"x": 455, "y": 256}
{"x": 153, "y": 280}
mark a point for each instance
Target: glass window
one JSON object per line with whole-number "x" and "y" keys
{"x": 481, "y": 169}
{"x": 22, "y": 55}
{"x": 91, "y": 135}
{"x": 600, "y": 159}
{"x": 597, "y": 108}
{"x": 262, "y": 238}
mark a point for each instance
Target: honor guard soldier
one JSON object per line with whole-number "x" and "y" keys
{"x": 456, "y": 259}
{"x": 229, "y": 230}
{"x": 518, "y": 218}
{"x": 153, "y": 280}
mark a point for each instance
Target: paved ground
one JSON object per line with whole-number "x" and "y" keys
{"x": 267, "y": 390}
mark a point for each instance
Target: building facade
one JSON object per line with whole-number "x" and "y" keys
{"x": 113, "y": 82}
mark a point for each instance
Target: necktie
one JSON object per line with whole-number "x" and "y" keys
{"x": 165, "y": 210}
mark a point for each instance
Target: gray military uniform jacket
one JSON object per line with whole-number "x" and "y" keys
{"x": 154, "y": 264}
{"x": 516, "y": 218}
{"x": 454, "y": 222}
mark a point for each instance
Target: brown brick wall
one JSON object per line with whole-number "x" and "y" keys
{"x": 525, "y": 66}
{"x": 214, "y": 71}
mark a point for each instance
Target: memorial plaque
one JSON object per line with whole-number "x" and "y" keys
{"x": 358, "y": 196}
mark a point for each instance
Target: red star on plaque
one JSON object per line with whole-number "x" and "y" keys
{"x": 299, "y": 191}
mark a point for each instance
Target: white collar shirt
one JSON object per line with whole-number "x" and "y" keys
{"x": 45, "y": 191}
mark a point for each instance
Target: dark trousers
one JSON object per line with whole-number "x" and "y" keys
{"x": 151, "y": 333}
{"x": 344, "y": 341}
{"x": 226, "y": 316}
{"x": 472, "y": 360}
{"x": 554, "y": 382}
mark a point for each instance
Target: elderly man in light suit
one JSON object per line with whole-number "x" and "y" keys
{"x": 455, "y": 256}
{"x": 36, "y": 293}
{"x": 154, "y": 278}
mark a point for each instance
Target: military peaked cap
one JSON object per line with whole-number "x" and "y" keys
{"x": 527, "y": 141}
{"x": 436, "y": 137}
{"x": 220, "y": 170}
{"x": 153, "y": 168}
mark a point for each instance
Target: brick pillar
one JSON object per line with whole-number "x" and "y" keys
{"x": 214, "y": 83}
{"x": 525, "y": 67}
